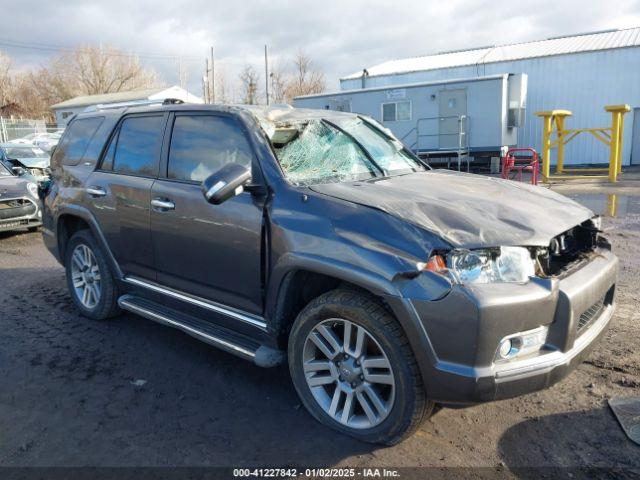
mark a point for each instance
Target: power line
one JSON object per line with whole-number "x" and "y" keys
{"x": 57, "y": 48}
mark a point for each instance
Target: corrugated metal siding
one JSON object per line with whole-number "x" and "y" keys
{"x": 583, "y": 83}
{"x": 503, "y": 53}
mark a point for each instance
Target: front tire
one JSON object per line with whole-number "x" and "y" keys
{"x": 91, "y": 284}
{"x": 354, "y": 370}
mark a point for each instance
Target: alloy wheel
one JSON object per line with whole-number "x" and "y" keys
{"x": 348, "y": 373}
{"x": 85, "y": 275}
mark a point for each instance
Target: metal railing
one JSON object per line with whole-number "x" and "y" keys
{"x": 461, "y": 141}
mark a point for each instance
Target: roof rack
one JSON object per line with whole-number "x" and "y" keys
{"x": 133, "y": 103}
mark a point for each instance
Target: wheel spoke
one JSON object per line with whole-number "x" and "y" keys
{"x": 377, "y": 402}
{"x": 317, "y": 381}
{"x": 360, "y": 341}
{"x": 335, "y": 401}
{"x": 330, "y": 337}
{"x": 85, "y": 295}
{"x": 366, "y": 407}
{"x": 78, "y": 260}
{"x": 325, "y": 340}
{"x": 347, "y": 410}
{"x": 317, "y": 366}
{"x": 384, "y": 378}
{"x": 376, "y": 362}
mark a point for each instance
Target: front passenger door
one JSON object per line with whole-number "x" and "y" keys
{"x": 210, "y": 251}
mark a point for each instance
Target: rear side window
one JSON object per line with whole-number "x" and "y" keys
{"x": 138, "y": 147}
{"x": 76, "y": 140}
{"x": 202, "y": 144}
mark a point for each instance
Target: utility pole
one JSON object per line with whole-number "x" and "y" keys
{"x": 205, "y": 82}
{"x": 212, "y": 81}
{"x": 266, "y": 73}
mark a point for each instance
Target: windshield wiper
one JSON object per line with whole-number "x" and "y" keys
{"x": 354, "y": 140}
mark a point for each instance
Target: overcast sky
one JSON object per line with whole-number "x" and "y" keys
{"x": 341, "y": 36}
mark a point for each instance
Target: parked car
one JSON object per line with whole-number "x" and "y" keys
{"x": 315, "y": 236}
{"x": 33, "y": 159}
{"x": 46, "y": 141}
{"x": 20, "y": 206}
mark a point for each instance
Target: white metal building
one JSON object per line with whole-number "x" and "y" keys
{"x": 581, "y": 73}
{"x": 65, "y": 110}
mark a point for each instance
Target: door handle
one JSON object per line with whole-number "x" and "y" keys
{"x": 163, "y": 204}
{"x": 96, "y": 191}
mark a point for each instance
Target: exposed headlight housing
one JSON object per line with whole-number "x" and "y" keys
{"x": 522, "y": 344}
{"x": 597, "y": 222}
{"x": 499, "y": 265}
{"x": 33, "y": 189}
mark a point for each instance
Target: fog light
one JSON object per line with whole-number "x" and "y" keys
{"x": 523, "y": 343}
{"x": 505, "y": 348}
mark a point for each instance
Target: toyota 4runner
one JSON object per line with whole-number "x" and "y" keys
{"x": 317, "y": 238}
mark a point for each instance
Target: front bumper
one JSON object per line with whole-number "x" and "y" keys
{"x": 466, "y": 326}
{"x": 14, "y": 217}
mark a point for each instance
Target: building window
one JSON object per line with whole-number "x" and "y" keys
{"x": 396, "y": 111}
{"x": 66, "y": 115}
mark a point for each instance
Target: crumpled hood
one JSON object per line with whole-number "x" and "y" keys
{"x": 468, "y": 210}
{"x": 11, "y": 187}
{"x": 36, "y": 162}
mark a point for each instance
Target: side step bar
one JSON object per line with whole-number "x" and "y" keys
{"x": 217, "y": 336}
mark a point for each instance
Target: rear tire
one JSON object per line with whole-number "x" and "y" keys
{"x": 328, "y": 365}
{"x": 91, "y": 284}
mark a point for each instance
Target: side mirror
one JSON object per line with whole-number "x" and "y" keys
{"x": 19, "y": 171}
{"x": 227, "y": 182}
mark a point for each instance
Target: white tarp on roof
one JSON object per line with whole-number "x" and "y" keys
{"x": 542, "y": 48}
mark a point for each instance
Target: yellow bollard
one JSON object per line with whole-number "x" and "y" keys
{"x": 615, "y": 152}
{"x": 560, "y": 129}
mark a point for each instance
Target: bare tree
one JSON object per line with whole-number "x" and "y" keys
{"x": 278, "y": 81}
{"x": 5, "y": 79}
{"x": 249, "y": 80}
{"x": 306, "y": 79}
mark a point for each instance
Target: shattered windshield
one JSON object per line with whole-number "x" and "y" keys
{"x": 322, "y": 151}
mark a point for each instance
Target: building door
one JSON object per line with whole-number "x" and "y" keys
{"x": 635, "y": 138}
{"x": 453, "y": 104}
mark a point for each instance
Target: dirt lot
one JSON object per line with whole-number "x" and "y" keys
{"x": 131, "y": 393}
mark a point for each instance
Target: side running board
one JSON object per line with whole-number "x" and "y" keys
{"x": 217, "y": 336}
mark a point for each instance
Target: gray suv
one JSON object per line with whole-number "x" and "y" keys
{"x": 316, "y": 238}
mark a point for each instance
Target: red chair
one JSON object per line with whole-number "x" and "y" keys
{"x": 529, "y": 164}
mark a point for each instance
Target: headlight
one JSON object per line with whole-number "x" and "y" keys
{"x": 504, "y": 264}
{"x": 33, "y": 189}
{"x": 521, "y": 344}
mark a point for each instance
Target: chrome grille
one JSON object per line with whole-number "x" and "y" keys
{"x": 590, "y": 315}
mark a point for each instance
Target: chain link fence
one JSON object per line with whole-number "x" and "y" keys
{"x": 12, "y": 129}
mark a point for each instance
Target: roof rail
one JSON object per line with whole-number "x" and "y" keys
{"x": 133, "y": 103}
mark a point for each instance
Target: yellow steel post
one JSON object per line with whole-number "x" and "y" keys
{"x": 546, "y": 148}
{"x": 620, "y": 142}
{"x": 560, "y": 130}
{"x": 549, "y": 119}
{"x": 613, "y": 149}
{"x": 615, "y": 154}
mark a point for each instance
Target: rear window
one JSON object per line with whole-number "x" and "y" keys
{"x": 76, "y": 140}
{"x": 138, "y": 146}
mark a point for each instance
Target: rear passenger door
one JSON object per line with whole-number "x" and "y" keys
{"x": 119, "y": 191}
{"x": 209, "y": 251}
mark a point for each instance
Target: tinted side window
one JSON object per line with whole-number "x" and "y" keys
{"x": 75, "y": 141}
{"x": 138, "y": 148}
{"x": 202, "y": 144}
{"x": 107, "y": 160}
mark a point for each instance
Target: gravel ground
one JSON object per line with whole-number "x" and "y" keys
{"x": 128, "y": 392}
